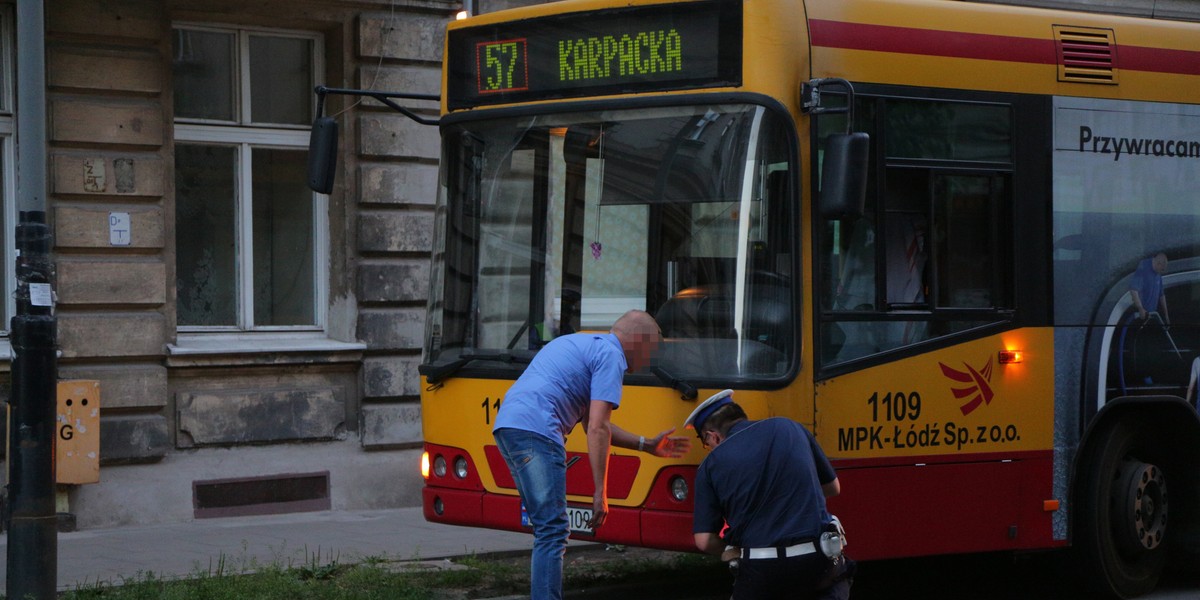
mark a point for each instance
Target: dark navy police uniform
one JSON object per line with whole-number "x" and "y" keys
{"x": 764, "y": 480}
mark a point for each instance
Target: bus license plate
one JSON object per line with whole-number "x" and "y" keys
{"x": 577, "y": 518}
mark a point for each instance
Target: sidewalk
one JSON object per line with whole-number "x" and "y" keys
{"x": 240, "y": 544}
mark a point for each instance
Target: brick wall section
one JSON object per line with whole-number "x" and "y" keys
{"x": 105, "y": 104}
{"x": 397, "y": 182}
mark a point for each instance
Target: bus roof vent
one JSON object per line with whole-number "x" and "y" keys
{"x": 1086, "y": 54}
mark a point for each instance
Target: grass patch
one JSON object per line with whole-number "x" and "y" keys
{"x": 326, "y": 578}
{"x": 638, "y": 565}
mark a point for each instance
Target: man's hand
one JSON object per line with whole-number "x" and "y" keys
{"x": 599, "y": 512}
{"x": 599, "y": 438}
{"x": 667, "y": 446}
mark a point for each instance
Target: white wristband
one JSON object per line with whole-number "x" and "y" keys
{"x": 641, "y": 443}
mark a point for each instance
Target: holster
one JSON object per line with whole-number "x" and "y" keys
{"x": 832, "y": 539}
{"x": 838, "y": 568}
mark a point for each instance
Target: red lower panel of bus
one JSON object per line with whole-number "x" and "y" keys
{"x": 917, "y": 510}
{"x": 890, "y": 509}
{"x": 671, "y": 530}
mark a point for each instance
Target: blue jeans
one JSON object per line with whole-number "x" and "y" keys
{"x": 539, "y": 467}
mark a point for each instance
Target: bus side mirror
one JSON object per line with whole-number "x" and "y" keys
{"x": 322, "y": 154}
{"x": 844, "y": 176}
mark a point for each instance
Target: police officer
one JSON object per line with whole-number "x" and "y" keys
{"x": 768, "y": 481}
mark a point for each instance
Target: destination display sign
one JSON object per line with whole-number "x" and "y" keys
{"x": 647, "y": 48}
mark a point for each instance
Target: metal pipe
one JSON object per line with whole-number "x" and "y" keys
{"x": 31, "y": 106}
{"x": 32, "y": 567}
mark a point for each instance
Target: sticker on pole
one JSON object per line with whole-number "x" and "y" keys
{"x": 40, "y": 294}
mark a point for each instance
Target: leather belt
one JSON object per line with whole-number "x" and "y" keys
{"x": 779, "y": 552}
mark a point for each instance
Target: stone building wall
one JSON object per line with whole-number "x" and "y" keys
{"x": 175, "y": 413}
{"x": 109, "y": 151}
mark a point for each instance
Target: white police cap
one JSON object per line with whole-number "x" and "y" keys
{"x": 707, "y": 408}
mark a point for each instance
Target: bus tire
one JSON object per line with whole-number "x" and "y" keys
{"x": 1121, "y": 524}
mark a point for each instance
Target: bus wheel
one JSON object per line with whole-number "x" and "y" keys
{"x": 1122, "y": 518}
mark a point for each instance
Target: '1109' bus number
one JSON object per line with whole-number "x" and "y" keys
{"x": 895, "y": 406}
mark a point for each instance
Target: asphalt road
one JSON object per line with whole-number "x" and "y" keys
{"x": 1040, "y": 576}
{"x": 1037, "y": 576}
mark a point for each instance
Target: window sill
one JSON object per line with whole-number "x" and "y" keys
{"x": 211, "y": 350}
{"x": 6, "y": 355}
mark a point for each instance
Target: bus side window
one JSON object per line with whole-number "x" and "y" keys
{"x": 931, "y": 256}
{"x": 856, "y": 269}
{"x": 907, "y": 252}
{"x": 969, "y": 215}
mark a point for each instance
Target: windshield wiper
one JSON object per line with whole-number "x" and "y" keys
{"x": 436, "y": 373}
{"x": 687, "y": 391}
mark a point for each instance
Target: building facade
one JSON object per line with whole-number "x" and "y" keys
{"x": 256, "y": 344}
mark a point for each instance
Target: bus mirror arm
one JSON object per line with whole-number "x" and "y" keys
{"x": 687, "y": 391}
{"x": 322, "y": 142}
{"x": 844, "y": 161}
{"x": 810, "y": 98}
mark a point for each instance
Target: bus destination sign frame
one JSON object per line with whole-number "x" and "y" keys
{"x": 684, "y": 45}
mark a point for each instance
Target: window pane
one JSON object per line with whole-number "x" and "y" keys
{"x": 203, "y": 75}
{"x": 905, "y": 252}
{"x": 5, "y": 259}
{"x": 205, "y": 197}
{"x": 966, "y": 249}
{"x": 506, "y": 237}
{"x": 283, "y": 239}
{"x": 855, "y": 267}
{"x": 948, "y": 130}
{"x": 281, "y": 80}
{"x": 561, "y": 223}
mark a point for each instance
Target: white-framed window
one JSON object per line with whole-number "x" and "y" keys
{"x": 251, "y": 238}
{"x": 8, "y": 171}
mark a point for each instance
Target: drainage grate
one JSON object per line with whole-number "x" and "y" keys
{"x": 269, "y": 495}
{"x": 1086, "y": 54}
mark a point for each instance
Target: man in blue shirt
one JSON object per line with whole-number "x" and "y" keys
{"x": 1146, "y": 287}
{"x": 574, "y": 379}
{"x": 768, "y": 481}
{"x": 1146, "y": 295}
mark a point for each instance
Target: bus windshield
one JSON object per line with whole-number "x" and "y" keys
{"x": 556, "y": 224}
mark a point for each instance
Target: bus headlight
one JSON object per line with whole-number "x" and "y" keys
{"x": 460, "y": 467}
{"x": 439, "y": 466}
{"x": 679, "y": 488}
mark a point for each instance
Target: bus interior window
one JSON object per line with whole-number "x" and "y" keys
{"x": 855, "y": 288}
{"x": 967, "y": 210}
{"x": 907, "y": 253}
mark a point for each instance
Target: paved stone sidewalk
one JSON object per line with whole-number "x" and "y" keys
{"x": 238, "y": 544}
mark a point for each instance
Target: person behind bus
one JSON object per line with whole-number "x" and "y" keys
{"x": 1146, "y": 287}
{"x": 1147, "y": 294}
{"x": 768, "y": 480}
{"x": 574, "y": 379}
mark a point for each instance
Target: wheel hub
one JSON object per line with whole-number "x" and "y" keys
{"x": 1140, "y": 503}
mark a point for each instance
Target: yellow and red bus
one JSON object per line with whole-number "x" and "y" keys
{"x": 983, "y": 300}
